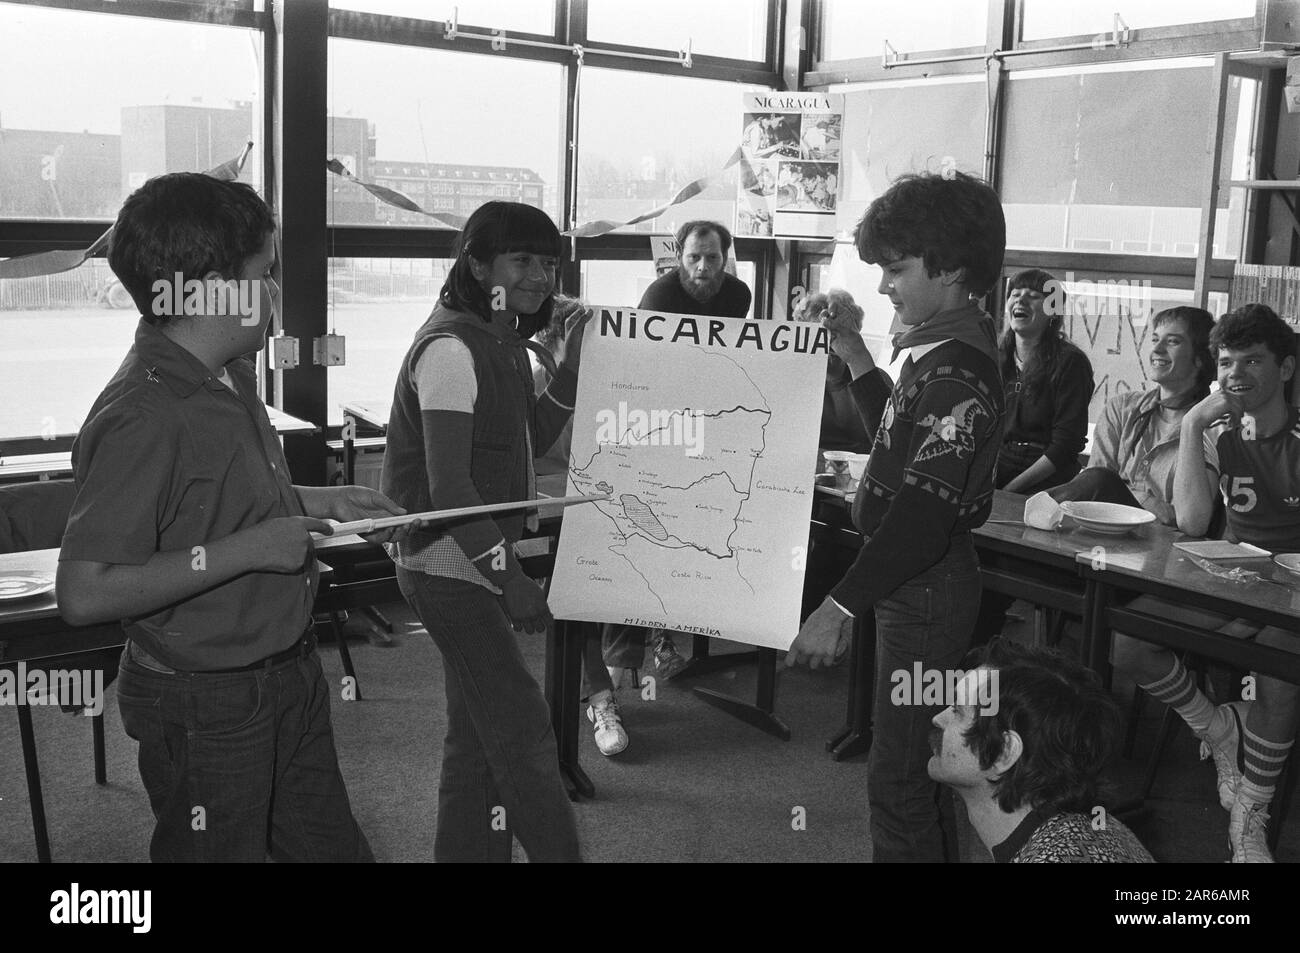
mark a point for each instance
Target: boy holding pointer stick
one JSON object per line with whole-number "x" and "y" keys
{"x": 187, "y": 528}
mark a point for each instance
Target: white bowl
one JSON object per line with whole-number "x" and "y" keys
{"x": 1109, "y": 518}
{"x": 1289, "y": 561}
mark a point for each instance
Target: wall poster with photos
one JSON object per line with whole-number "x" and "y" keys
{"x": 790, "y": 169}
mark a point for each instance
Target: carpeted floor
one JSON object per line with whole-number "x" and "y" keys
{"x": 694, "y": 785}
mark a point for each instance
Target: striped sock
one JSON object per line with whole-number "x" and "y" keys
{"x": 1264, "y": 762}
{"x": 1179, "y": 691}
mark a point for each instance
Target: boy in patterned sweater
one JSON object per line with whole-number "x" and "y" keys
{"x": 939, "y": 240}
{"x": 1243, "y": 440}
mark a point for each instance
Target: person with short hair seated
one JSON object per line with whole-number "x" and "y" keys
{"x": 842, "y": 426}
{"x": 1135, "y": 446}
{"x": 1024, "y": 745}
{"x": 1242, "y": 441}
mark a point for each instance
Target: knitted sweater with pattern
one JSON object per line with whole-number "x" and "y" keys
{"x": 930, "y": 476}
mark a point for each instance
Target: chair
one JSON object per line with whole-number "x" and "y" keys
{"x": 33, "y": 516}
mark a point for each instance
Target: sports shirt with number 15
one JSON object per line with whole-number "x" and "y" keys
{"x": 1260, "y": 483}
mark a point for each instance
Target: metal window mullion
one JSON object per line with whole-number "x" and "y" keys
{"x": 1210, "y": 201}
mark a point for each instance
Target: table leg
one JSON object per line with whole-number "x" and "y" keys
{"x": 97, "y": 739}
{"x": 1094, "y": 648}
{"x": 855, "y": 737}
{"x": 379, "y": 619}
{"x": 344, "y": 655}
{"x": 34, "y": 783}
{"x": 349, "y": 450}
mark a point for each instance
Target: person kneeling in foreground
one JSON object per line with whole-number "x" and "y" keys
{"x": 1024, "y": 746}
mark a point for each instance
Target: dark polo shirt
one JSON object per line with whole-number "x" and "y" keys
{"x": 170, "y": 458}
{"x": 666, "y": 294}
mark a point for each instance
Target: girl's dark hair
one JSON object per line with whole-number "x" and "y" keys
{"x": 1053, "y": 344}
{"x": 1199, "y": 324}
{"x": 498, "y": 228}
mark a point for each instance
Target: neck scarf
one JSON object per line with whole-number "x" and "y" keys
{"x": 968, "y": 324}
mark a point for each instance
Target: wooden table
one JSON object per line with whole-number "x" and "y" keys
{"x": 1161, "y": 570}
{"x": 1165, "y": 572}
{"x": 46, "y": 466}
{"x": 373, "y": 413}
{"x": 284, "y": 424}
{"x": 31, "y": 630}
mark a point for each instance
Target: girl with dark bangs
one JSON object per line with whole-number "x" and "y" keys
{"x": 1048, "y": 386}
{"x": 464, "y": 429}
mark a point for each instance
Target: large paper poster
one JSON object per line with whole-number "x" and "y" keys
{"x": 789, "y": 182}
{"x": 704, "y": 431}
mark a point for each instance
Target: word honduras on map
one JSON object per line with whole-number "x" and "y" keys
{"x": 704, "y": 433}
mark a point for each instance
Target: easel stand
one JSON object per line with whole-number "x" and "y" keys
{"x": 564, "y": 650}
{"x": 761, "y": 714}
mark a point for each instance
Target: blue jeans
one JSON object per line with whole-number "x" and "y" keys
{"x": 500, "y": 768}
{"x": 609, "y": 644}
{"x": 928, "y": 619}
{"x": 247, "y": 758}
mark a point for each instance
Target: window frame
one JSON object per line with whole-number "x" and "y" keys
{"x": 1151, "y": 44}
{"x": 287, "y": 52}
{"x": 25, "y": 236}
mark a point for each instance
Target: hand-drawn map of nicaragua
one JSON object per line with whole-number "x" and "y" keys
{"x": 704, "y": 431}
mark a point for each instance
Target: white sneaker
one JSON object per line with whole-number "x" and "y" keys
{"x": 1248, "y": 832}
{"x": 1222, "y": 741}
{"x": 611, "y": 738}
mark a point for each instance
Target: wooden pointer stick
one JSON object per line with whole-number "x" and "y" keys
{"x": 436, "y": 516}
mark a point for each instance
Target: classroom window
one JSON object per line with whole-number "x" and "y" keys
{"x": 852, "y": 29}
{"x": 1049, "y": 19}
{"x": 465, "y": 127}
{"x": 377, "y": 304}
{"x": 630, "y": 162}
{"x": 1113, "y": 158}
{"x": 80, "y": 129}
{"x": 64, "y": 336}
{"x": 908, "y": 126}
{"x": 532, "y": 16}
{"x": 736, "y": 29}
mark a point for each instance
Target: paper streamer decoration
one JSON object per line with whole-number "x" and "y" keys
{"x": 55, "y": 262}
{"x": 689, "y": 191}
{"x": 395, "y": 198}
{"x": 589, "y": 230}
